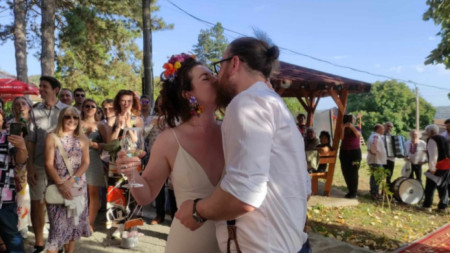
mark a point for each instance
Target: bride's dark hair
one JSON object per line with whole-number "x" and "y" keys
{"x": 175, "y": 107}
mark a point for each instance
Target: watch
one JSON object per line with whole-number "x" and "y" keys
{"x": 195, "y": 214}
{"x": 77, "y": 179}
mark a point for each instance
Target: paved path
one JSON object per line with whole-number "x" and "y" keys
{"x": 155, "y": 236}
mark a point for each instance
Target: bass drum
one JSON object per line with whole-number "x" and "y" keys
{"x": 407, "y": 190}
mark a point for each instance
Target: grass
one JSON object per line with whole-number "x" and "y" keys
{"x": 369, "y": 225}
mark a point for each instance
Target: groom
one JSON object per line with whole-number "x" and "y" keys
{"x": 264, "y": 191}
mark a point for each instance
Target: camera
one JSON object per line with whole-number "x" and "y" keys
{"x": 348, "y": 118}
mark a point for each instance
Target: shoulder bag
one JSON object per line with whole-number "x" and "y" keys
{"x": 52, "y": 194}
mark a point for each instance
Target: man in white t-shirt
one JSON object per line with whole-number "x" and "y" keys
{"x": 265, "y": 187}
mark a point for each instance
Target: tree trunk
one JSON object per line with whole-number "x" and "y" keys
{"x": 20, "y": 42}
{"x": 147, "y": 86}
{"x": 48, "y": 37}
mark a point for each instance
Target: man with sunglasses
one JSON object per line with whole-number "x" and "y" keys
{"x": 79, "y": 95}
{"x": 260, "y": 204}
{"x": 44, "y": 118}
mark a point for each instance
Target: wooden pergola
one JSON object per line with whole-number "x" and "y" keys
{"x": 308, "y": 86}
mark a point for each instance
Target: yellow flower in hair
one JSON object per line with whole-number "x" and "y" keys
{"x": 177, "y": 65}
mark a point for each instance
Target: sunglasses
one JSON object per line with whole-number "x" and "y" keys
{"x": 145, "y": 102}
{"x": 90, "y": 106}
{"x": 79, "y": 95}
{"x": 75, "y": 117}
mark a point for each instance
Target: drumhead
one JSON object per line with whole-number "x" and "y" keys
{"x": 410, "y": 191}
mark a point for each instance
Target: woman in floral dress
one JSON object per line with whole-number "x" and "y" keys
{"x": 68, "y": 221}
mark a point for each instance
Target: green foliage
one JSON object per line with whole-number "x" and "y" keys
{"x": 211, "y": 45}
{"x": 97, "y": 49}
{"x": 390, "y": 101}
{"x": 439, "y": 12}
{"x": 294, "y": 106}
{"x": 380, "y": 174}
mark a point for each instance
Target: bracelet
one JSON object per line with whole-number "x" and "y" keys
{"x": 77, "y": 179}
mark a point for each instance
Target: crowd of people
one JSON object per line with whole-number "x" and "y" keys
{"x": 380, "y": 154}
{"x": 232, "y": 183}
{"x": 61, "y": 155}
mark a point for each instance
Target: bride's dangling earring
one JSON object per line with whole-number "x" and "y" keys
{"x": 196, "y": 108}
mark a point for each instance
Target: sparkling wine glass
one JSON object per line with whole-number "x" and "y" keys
{"x": 132, "y": 143}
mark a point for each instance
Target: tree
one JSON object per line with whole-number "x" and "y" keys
{"x": 97, "y": 49}
{"x": 390, "y": 101}
{"x": 439, "y": 12}
{"x": 211, "y": 44}
{"x": 20, "y": 40}
{"x": 48, "y": 9}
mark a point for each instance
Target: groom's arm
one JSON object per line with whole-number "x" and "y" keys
{"x": 247, "y": 154}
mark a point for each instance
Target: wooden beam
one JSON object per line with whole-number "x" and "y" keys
{"x": 337, "y": 100}
{"x": 302, "y": 102}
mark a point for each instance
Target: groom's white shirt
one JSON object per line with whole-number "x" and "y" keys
{"x": 266, "y": 168}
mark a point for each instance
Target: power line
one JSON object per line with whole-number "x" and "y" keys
{"x": 313, "y": 57}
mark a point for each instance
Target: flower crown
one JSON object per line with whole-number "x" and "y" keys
{"x": 171, "y": 67}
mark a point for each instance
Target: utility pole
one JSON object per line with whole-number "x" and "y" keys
{"x": 147, "y": 81}
{"x": 417, "y": 109}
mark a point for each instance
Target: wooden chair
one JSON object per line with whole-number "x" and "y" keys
{"x": 325, "y": 158}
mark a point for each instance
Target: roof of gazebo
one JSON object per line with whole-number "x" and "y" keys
{"x": 295, "y": 81}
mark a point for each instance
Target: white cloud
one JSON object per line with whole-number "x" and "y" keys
{"x": 432, "y": 38}
{"x": 377, "y": 65}
{"x": 340, "y": 57}
{"x": 396, "y": 69}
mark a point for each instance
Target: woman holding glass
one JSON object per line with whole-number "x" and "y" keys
{"x": 189, "y": 153}
{"x": 65, "y": 229}
{"x": 95, "y": 175}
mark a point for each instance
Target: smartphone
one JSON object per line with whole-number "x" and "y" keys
{"x": 15, "y": 128}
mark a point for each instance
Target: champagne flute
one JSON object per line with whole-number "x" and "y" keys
{"x": 132, "y": 143}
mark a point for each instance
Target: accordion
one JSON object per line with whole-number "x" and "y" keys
{"x": 395, "y": 146}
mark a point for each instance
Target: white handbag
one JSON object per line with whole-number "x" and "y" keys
{"x": 52, "y": 194}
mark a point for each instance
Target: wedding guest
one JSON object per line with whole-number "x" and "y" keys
{"x": 44, "y": 117}
{"x": 95, "y": 174}
{"x": 350, "y": 154}
{"x": 376, "y": 157}
{"x": 15, "y": 156}
{"x": 68, "y": 221}
{"x": 79, "y": 95}
{"x": 21, "y": 107}
{"x": 438, "y": 165}
{"x": 416, "y": 154}
{"x": 323, "y": 148}
{"x": 66, "y": 96}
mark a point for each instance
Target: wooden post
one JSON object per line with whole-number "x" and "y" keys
{"x": 341, "y": 102}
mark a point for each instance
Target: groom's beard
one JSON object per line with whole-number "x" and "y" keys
{"x": 224, "y": 94}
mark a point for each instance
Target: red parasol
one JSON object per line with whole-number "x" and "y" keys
{"x": 11, "y": 88}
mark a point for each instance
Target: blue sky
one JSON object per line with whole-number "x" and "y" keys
{"x": 379, "y": 36}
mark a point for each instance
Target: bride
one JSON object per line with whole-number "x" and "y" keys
{"x": 190, "y": 153}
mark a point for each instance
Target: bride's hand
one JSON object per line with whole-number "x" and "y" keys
{"x": 184, "y": 214}
{"x": 127, "y": 165}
